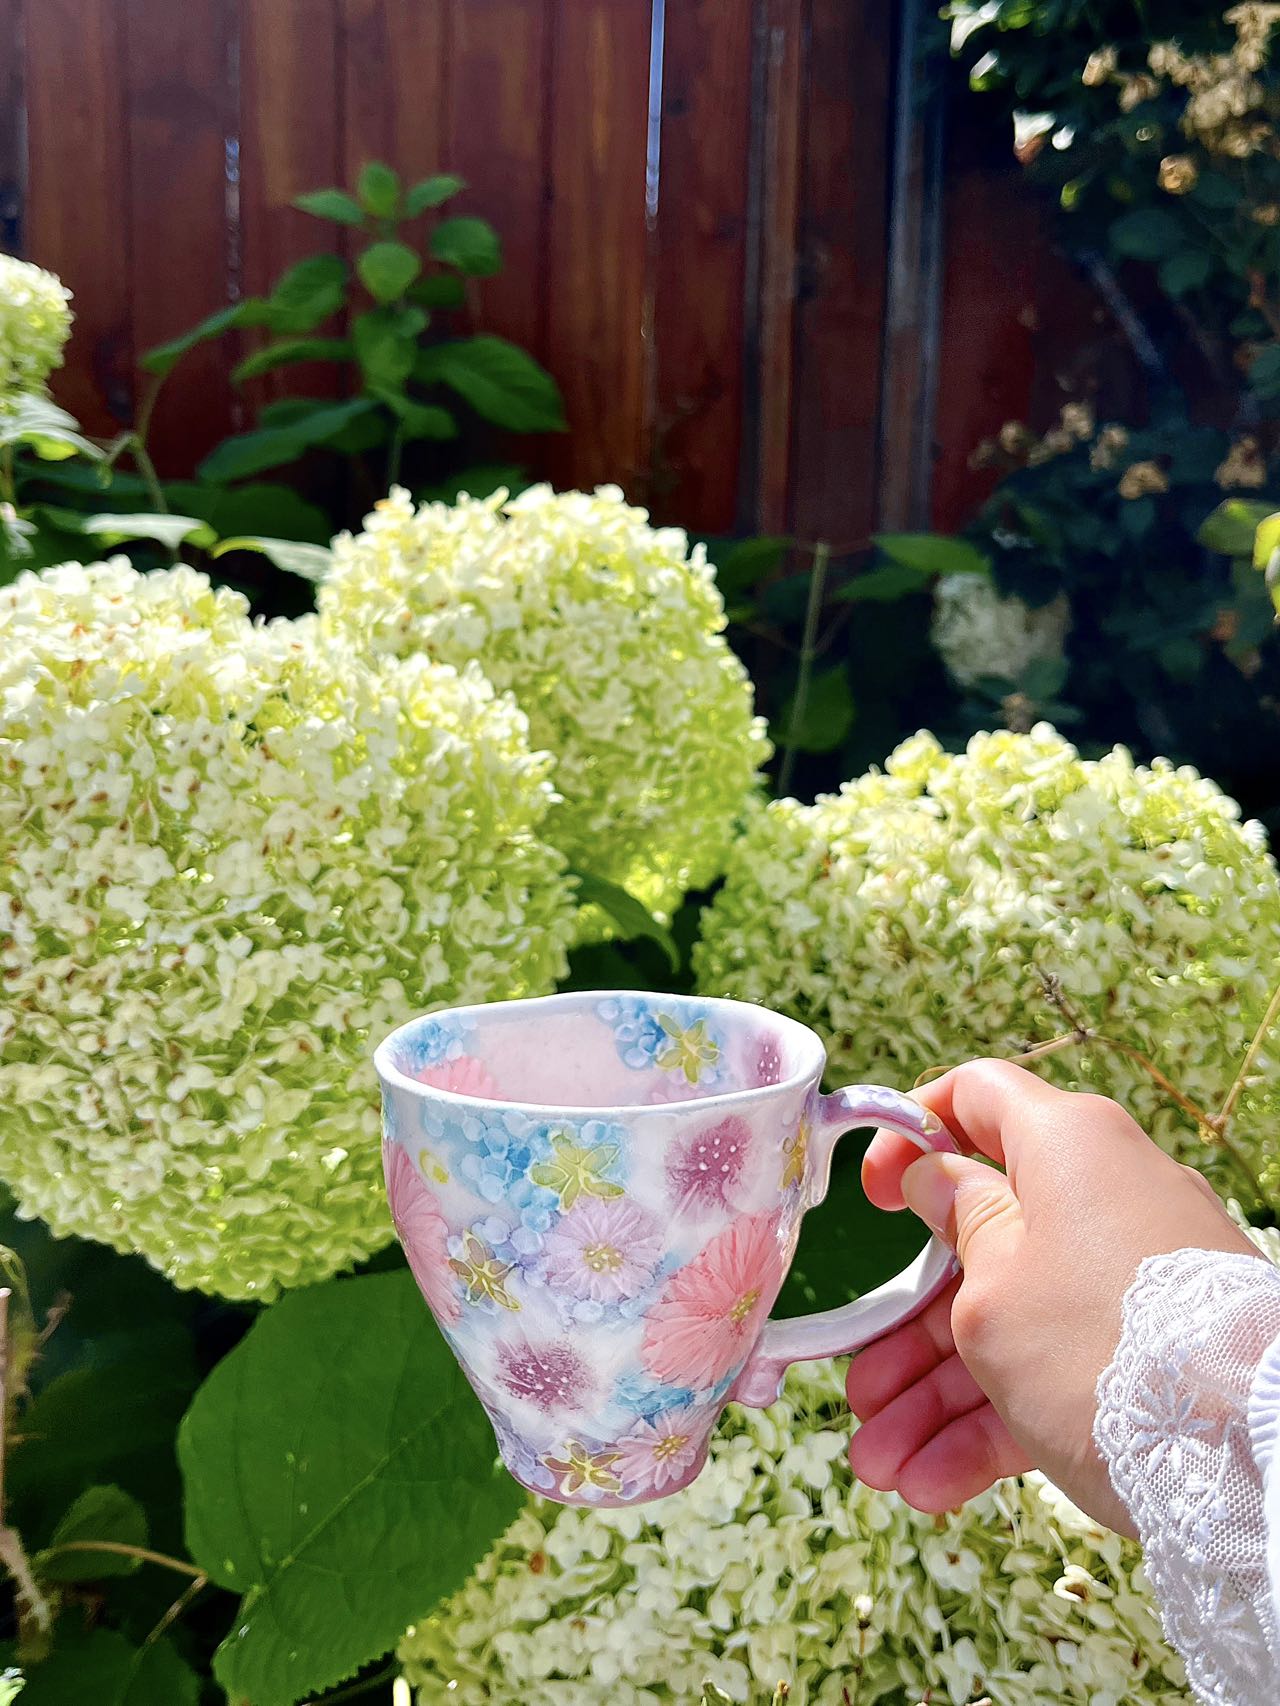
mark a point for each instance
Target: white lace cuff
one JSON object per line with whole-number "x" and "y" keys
{"x": 1179, "y": 1410}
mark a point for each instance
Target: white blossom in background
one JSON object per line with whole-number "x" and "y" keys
{"x": 775, "y": 1565}
{"x": 978, "y": 634}
{"x": 231, "y": 858}
{"x": 35, "y": 322}
{"x": 608, "y": 632}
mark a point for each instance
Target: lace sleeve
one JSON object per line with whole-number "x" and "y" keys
{"x": 1188, "y": 1413}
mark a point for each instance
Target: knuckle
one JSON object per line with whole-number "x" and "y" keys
{"x": 973, "y": 1316}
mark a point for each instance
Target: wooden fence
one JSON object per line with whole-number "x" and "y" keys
{"x": 776, "y": 293}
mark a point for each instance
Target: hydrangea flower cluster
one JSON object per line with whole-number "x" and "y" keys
{"x": 608, "y": 633}
{"x": 35, "y": 323}
{"x": 232, "y": 856}
{"x": 775, "y": 1566}
{"x": 932, "y": 912}
{"x": 978, "y": 634}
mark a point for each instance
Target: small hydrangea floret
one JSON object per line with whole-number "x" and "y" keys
{"x": 35, "y": 322}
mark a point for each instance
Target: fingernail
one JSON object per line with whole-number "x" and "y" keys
{"x": 929, "y": 1192}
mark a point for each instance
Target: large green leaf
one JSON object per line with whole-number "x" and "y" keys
{"x": 165, "y": 357}
{"x": 307, "y": 294}
{"x": 308, "y": 562}
{"x": 269, "y": 447}
{"x": 379, "y": 190}
{"x": 387, "y": 270}
{"x": 168, "y": 530}
{"x": 933, "y": 553}
{"x": 45, "y": 428}
{"x": 630, "y": 916}
{"x": 335, "y": 205}
{"x": 386, "y": 343}
{"x": 470, "y": 245}
{"x": 341, "y": 1476}
{"x": 432, "y": 192}
{"x": 499, "y": 380}
{"x": 885, "y": 584}
{"x": 1232, "y": 527}
{"x": 102, "y": 1668}
{"x": 826, "y": 716}
{"x": 288, "y": 352}
{"x": 743, "y": 564}
{"x": 263, "y": 507}
{"x": 100, "y": 1513}
{"x": 1148, "y": 234}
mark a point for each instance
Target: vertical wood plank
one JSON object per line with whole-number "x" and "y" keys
{"x": 179, "y": 121}
{"x": 13, "y": 160}
{"x": 700, "y": 287}
{"x": 844, "y": 243}
{"x": 780, "y": 143}
{"x": 78, "y": 188}
{"x": 498, "y": 141}
{"x": 395, "y": 81}
{"x": 289, "y": 142}
{"x": 597, "y": 274}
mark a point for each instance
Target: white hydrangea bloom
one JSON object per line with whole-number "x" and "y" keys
{"x": 913, "y": 917}
{"x": 608, "y": 633}
{"x": 230, "y": 858}
{"x": 35, "y": 322}
{"x": 977, "y": 633}
{"x": 757, "y": 1574}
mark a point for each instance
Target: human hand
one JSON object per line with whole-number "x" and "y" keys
{"x": 999, "y": 1374}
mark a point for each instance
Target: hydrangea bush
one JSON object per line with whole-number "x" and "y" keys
{"x": 230, "y": 857}
{"x": 980, "y": 635}
{"x": 35, "y": 322}
{"x": 608, "y": 633}
{"x": 775, "y": 1565}
{"x": 916, "y": 917}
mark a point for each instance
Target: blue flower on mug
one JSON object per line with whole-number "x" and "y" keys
{"x": 649, "y": 1398}
{"x": 432, "y": 1043}
{"x": 637, "y": 1034}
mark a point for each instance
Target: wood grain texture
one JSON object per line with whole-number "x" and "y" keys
{"x": 13, "y": 153}
{"x": 395, "y": 82}
{"x": 781, "y": 169}
{"x": 700, "y": 287}
{"x": 179, "y": 119}
{"x": 290, "y": 105}
{"x": 843, "y": 250}
{"x": 597, "y": 277}
{"x": 78, "y": 194}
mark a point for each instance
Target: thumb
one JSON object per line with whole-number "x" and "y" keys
{"x": 967, "y": 1204}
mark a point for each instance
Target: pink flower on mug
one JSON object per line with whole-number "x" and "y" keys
{"x": 658, "y": 1454}
{"x": 551, "y": 1376}
{"x": 421, "y": 1229}
{"x": 604, "y": 1251}
{"x": 465, "y": 1076}
{"x": 705, "y": 1168}
{"x": 711, "y": 1311}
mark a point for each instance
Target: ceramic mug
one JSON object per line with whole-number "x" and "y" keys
{"x": 600, "y": 1195}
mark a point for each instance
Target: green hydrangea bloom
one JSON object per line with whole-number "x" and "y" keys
{"x": 608, "y": 632}
{"x": 230, "y": 858}
{"x": 776, "y": 1565}
{"x": 35, "y": 323}
{"x": 913, "y": 917}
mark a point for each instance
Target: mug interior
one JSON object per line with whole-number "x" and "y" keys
{"x": 600, "y": 1049}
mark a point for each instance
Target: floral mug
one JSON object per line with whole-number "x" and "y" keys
{"x": 600, "y": 1195}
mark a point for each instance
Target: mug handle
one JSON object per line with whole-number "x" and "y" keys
{"x": 836, "y": 1332}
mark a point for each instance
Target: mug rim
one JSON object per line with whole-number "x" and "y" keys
{"x": 391, "y": 1074}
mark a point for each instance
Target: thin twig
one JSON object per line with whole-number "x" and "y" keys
{"x": 1221, "y": 1119}
{"x": 142, "y": 1553}
{"x": 808, "y": 652}
{"x": 33, "y": 1607}
{"x": 176, "y": 1610}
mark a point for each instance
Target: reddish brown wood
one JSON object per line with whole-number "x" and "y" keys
{"x": 395, "y": 82}
{"x": 290, "y": 101}
{"x": 78, "y": 191}
{"x": 13, "y": 160}
{"x": 179, "y": 120}
{"x": 597, "y": 277}
{"x": 498, "y": 141}
{"x": 699, "y": 317}
{"x": 844, "y": 243}
{"x": 781, "y": 169}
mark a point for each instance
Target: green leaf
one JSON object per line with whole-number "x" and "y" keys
{"x": 439, "y": 290}
{"x": 163, "y": 358}
{"x": 335, "y": 205}
{"x": 475, "y": 482}
{"x": 1214, "y": 190}
{"x": 48, "y": 430}
{"x": 632, "y": 918}
{"x": 167, "y": 530}
{"x": 1232, "y": 527}
{"x": 1264, "y": 374}
{"x": 100, "y": 1513}
{"x": 847, "y": 1247}
{"x": 421, "y": 420}
{"x": 341, "y": 1475}
{"x": 386, "y": 344}
{"x": 102, "y": 1668}
{"x": 884, "y": 585}
{"x": 1043, "y": 679}
{"x": 265, "y": 508}
{"x": 743, "y": 565}
{"x": 269, "y": 447}
{"x": 287, "y": 353}
{"x": 379, "y": 190}
{"x": 827, "y": 716}
{"x": 432, "y": 192}
{"x": 1147, "y": 234}
{"x": 308, "y": 294}
{"x": 1266, "y": 540}
{"x": 470, "y": 245}
{"x": 933, "y": 554}
{"x": 1185, "y": 270}
{"x": 500, "y": 381}
{"x": 308, "y": 562}
{"x": 387, "y": 270}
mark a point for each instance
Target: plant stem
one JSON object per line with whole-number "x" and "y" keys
{"x": 1221, "y": 1119}
{"x": 8, "y": 485}
{"x": 142, "y": 1553}
{"x": 353, "y": 1691}
{"x": 395, "y": 450}
{"x": 176, "y": 1610}
{"x": 808, "y": 652}
{"x": 35, "y": 1616}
